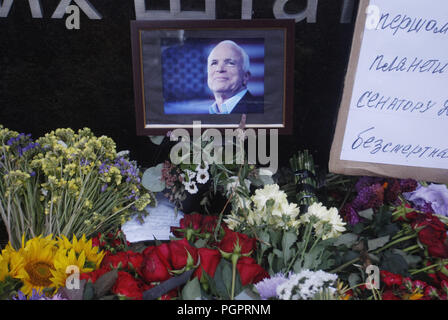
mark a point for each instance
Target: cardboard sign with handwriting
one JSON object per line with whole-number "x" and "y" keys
{"x": 393, "y": 118}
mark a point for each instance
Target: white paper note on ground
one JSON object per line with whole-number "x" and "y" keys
{"x": 156, "y": 225}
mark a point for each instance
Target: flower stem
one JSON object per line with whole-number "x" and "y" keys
{"x": 390, "y": 244}
{"x": 234, "y": 262}
{"x": 423, "y": 269}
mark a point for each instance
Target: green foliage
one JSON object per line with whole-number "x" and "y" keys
{"x": 151, "y": 179}
{"x": 284, "y": 251}
{"x": 9, "y": 287}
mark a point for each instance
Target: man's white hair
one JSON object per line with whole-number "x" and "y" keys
{"x": 246, "y": 60}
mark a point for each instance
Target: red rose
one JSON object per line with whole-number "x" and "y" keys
{"x": 179, "y": 250}
{"x": 127, "y": 285}
{"x": 93, "y": 275}
{"x": 188, "y": 225}
{"x": 389, "y": 295}
{"x": 209, "y": 261}
{"x": 97, "y": 242}
{"x": 191, "y": 221}
{"x": 429, "y": 220}
{"x": 390, "y": 279}
{"x": 114, "y": 260}
{"x": 154, "y": 267}
{"x": 135, "y": 259}
{"x": 209, "y": 224}
{"x": 250, "y": 271}
{"x": 231, "y": 239}
{"x": 438, "y": 250}
{"x": 164, "y": 252}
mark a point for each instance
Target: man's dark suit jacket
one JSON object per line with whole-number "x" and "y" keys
{"x": 249, "y": 104}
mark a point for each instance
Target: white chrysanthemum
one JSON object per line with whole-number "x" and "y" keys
{"x": 329, "y": 223}
{"x": 270, "y": 191}
{"x": 279, "y": 213}
{"x": 290, "y": 209}
{"x": 202, "y": 176}
{"x": 306, "y": 284}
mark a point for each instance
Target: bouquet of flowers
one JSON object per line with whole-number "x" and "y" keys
{"x": 199, "y": 268}
{"x": 399, "y": 226}
{"x": 42, "y": 265}
{"x": 65, "y": 183}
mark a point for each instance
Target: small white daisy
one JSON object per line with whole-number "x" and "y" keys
{"x": 202, "y": 176}
{"x": 191, "y": 187}
{"x": 202, "y": 167}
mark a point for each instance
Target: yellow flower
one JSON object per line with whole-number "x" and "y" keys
{"x": 92, "y": 255}
{"x": 12, "y": 260}
{"x": 4, "y": 270}
{"x": 66, "y": 261}
{"x": 35, "y": 269}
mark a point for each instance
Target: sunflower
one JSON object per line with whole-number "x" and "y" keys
{"x": 10, "y": 262}
{"x": 37, "y": 263}
{"x": 91, "y": 253}
{"x": 66, "y": 262}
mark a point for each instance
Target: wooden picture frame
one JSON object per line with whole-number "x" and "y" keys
{"x": 170, "y": 64}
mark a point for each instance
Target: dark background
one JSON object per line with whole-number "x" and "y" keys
{"x": 51, "y": 77}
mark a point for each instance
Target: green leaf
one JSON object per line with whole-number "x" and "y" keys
{"x": 411, "y": 260}
{"x": 354, "y": 279}
{"x": 89, "y": 292}
{"x": 368, "y": 214}
{"x": 247, "y": 294}
{"x": 192, "y": 290}
{"x": 350, "y": 255}
{"x": 358, "y": 228}
{"x": 104, "y": 284}
{"x": 156, "y": 139}
{"x": 151, "y": 179}
{"x": 223, "y": 279}
{"x": 347, "y": 239}
{"x": 200, "y": 243}
{"x": 288, "y": 239}
{"x": 275, "y": 238}
{"x": 377, "y": 243}
{"x": 278, "y": 253}
{"x": 394, "y": 263}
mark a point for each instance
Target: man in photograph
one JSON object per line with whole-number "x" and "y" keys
{"x": 228, "y": 76}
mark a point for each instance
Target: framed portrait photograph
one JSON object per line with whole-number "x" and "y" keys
{"x": 213, "y": 71}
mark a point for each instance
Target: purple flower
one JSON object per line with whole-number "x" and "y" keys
{"x": 350, "y": 215}
{"x": 434, "y": 194}
{"x": 408, "y": 185}
{"x": 84, "y": 162}
{"x": 104, "y": 168}
{"x": 36, "y": 295}
{"x": 369, "y": 197}
{"x": 267, "y": 288}
{"x": 364, "y": 182}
